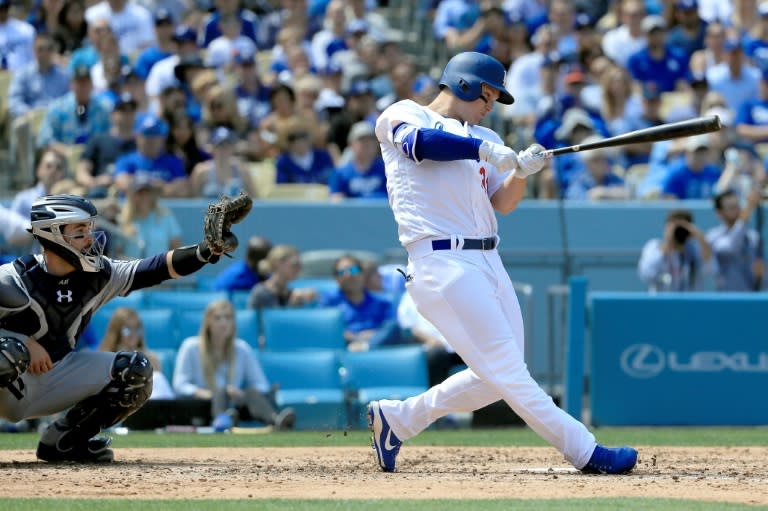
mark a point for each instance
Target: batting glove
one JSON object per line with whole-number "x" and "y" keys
{"x": 530, "y": 161}
{"x": 500, "y": 156}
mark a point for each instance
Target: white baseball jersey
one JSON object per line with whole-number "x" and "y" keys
{"x": 437, "y": 198}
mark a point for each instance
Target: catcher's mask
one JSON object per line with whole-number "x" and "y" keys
{"x": 14, "y": 361}
{"x": 466, "y": 72}
{"x": 48, "y": 217}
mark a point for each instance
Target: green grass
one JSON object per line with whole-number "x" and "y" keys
{"x": 364, "y": 505}
{"x": 700, "y": 436}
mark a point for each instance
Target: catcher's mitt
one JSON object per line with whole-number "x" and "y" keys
{"x": 14, "y": 361}
{"x": 220, "y": 217}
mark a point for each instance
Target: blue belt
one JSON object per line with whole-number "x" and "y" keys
{"x": 469, "y": 244}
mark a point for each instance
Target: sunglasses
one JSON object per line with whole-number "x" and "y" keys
{"x": 351, "y": 271}
{"x": 126, "y": 331}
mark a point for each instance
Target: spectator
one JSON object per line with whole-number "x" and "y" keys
{"x": 34, "y": 87}
{"x": 94, "y": 170}
{"x": 362, "y": 177}
{"x": 164, "y": 45}
{"x": 72, "y": 30}
{"x": 74, "y": 117}
{"x": 441, "y": 357}
{"x": 252, "y": 96}
{"x": 562, "y": 17}
{"x": 131, "y": 22}
{"x": 402, "y": 77}
{"x": 299, "y": 162}
{"x": 596, "y": 180}
{"x": 619, "y": 105}
{"x": 369, "y": 321}
{"x": 51, "y": 168}
{"x": 378, "y": 28}
{"x": 678, "y": 261}
{"x": 360, "y": 106}
{"x": 182, "y": 142}
{"x": 125, "y": 332}
{"x": 111, "y": 60}
{"x": 689, "y": 31}
{"x": 243, "y": 274}
{"x": 163, "y": 73}
{"x": 734, "y": 78}
{"x": 649, "y": 115}
{"x": 134, "y": 85}
{"x": 151, "y": 160}
{"x": 658, "y": 63}
{"x": 220, "y": 111}
{"x": 692, "y": 177}
{"x": 458, "y": 24}
{"x": 13, "y": 229}
{"x": 212, "y": 28}
{"x": 222, "y": 49}
{"x": 628, "y": 38}
{"x": 282, "y": 100}
{"x": 282, "y": 265}
{"x": 224, "y": 174}
{"x": 752, "y": 118}
{"x": 743, "y": 170}
{"x": 88, "y": 54}
{"x": 18, "y": 40}
{"x": 331, "y": 38}
{"x": 151, "y": 227}
{"x": 577, "y": 125}
{"x": 736, "y": 247}
{"x": 756, "y": 40}
{"x": 44, "y": 15}
{"x": 713, "y": 52}
{"x": 218, "y": 366}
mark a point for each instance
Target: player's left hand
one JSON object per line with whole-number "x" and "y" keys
{"x": 530, "y": 161}
{"x": 39, "y": 359}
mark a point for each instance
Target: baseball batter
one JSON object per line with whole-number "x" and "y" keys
{"x": 46, "y": 301}
{"x": 446, "y": 177}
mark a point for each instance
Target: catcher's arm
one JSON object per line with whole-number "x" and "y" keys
{"x": 218, "y": 239}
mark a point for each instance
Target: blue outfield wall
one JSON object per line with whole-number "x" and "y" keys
{"x": 679, "y": 359}
{"x": 603, "y": 240}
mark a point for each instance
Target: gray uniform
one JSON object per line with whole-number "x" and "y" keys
{"x": 54, "y": 311}
{"x": 736, "y": 249}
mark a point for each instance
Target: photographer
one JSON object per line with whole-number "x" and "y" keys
{"x": 678, "y": 261}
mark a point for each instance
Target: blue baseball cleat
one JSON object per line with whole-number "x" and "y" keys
{"x": 384, "y": 441}
{"x": 611, "y": 460}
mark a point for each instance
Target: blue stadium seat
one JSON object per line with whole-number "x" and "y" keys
{"x": 240, "y": 299}
{"x": 310, "y": 384}
{"x": 323, "y": 286}
{"x": 388, "y": 373}
{"x": 159, "y": 326}
{"x": 135, "y": 300}
{"x": 246, "y": 320}
{"x": 167, "y": 359}
{"x": 183, "y": 300}
{"x": 289, "y": 329}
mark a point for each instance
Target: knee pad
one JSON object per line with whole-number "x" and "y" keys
{"x": 129, "y": 389}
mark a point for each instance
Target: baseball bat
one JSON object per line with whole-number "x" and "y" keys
{"x": 667, "y": 131}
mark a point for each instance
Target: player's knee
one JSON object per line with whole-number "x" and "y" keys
{"x": 132, "y": 375}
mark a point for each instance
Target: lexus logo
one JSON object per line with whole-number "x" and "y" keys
{"x": 642, "y": 361}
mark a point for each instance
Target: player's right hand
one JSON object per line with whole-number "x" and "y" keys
{"x": 498, "y": 155}
{"x": 39, "y": 359}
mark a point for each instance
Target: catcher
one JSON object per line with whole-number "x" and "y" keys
{"x": 46, "y": 301}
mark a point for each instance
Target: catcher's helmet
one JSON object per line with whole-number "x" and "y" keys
{"x": 48, "y": 217}
{"x": 466, "y": 72}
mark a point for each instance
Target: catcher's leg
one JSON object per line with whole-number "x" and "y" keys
{"x": 71, "y": 438}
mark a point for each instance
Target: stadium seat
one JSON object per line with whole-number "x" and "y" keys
{"x": 388, "y": 373}
{"x": 319, "y": 263}
{"x": 183, "y": 300}
{"x": 246, "y": 321}
{"x": 240, "y": 299}
{"x": 309, "y": 382}
{"x": 263, "y": 176}
{"x": 159, "y": 327}
{"x": 289, "y": 329}
{"x": 167, "y": 359}
{"x": 323, "y": 286}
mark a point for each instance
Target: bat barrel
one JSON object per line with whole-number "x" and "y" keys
{"x": 697, "y": 126}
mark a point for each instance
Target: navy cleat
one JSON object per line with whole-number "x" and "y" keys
{"x": 384, "y": 441}
{"x": 611, "y": 460}
{"x": 95, "y": 450}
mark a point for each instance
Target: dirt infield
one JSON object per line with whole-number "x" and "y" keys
{"x": 712, "y": 474}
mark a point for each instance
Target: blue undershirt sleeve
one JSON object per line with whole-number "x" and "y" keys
{"x": 419, "y": 144}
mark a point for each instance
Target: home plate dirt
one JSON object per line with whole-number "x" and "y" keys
{"x": 722, "y": 474}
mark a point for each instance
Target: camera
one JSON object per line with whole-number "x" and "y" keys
{"x": 681, "y": 234}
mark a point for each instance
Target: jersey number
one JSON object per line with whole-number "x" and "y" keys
{"x": 484, "y": 180}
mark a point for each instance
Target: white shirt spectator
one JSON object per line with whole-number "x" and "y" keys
{"x": 221, "y": 51}
{"x": 162, "y": 76}
{"x": 16, "y": 44}
{"x": 736, "y": 91}
{"x": 716, "y": 10}
{"x": 619, "y": 45}
{"x": 134, "y": 26}
{"x": 13, "y": 227}
{"x": 524, "y": 77}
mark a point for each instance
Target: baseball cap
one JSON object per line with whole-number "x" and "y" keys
{"x": 142, "y": 181}
{"x": 125, "y": 100}
{"x": 653, "y": 22}
{"x": 163, "y": 15}
{"x": 731, "y": 44}
{"x": 360, "y": 130}
{"x": 573, "y": 117}
{"x": 687, "y": 5}
{"x": 333, "y": 68}
{"x": 762, "y": 9}
{"x": 359, "y": 88}
{"x": 357, "y": 26}
{"x": 187, "y": 62}
{"x": 552, "y": 58}
{"x": 244, "y": 54}
{"x": 583, "y": 20}
{"x": 222, "y": 135}
{"x": 697, "y": 142}
{"x": 81, "y": 71}
{"x": 150, "y": 125}
{"x": 184, "y": 33}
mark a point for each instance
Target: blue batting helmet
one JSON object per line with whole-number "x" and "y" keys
{"x": 466, "y": 72}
